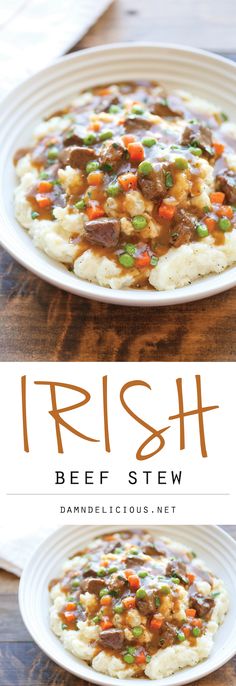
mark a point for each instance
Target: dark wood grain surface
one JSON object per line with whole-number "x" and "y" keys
{"x": 22, "y": 663}
{"x": 40, "y": 322}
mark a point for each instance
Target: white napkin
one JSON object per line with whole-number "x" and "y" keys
{"x": 17, "y": 546}
{"x": 35, "y": 32}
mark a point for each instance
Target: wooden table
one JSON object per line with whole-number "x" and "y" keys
{"x": 22, "y": 663}
{"x": 40, "y": 322}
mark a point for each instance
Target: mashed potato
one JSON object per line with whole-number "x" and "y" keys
{"x": 132, "y": 605}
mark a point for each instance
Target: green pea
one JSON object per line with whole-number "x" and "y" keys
{"x": 169, "y": 180}
{"x": 43, "y": 175}
{"x": 196, "y": 631}
{"x": 142, "y": 574}
{"x": 141, "y": 593}
{"x": 113, "y": 189}
{"x": 118, "y": 609}
{"x": 165, "y": 590}
{"x": 175, "y": 580}
{"x": 130, "y": 248}
{"x": 113, "y": 109}
{"x": 139, "y": 222}
{"x": 104, "y": 591}
{"x": 131, "y": 650}
{"x": 80, "y": 205}
{"x": 202, "y": 231}
{"x": 136, "y": 109}
{"x": 129, "y": 658}
{"x": 224, "y": 224}
{"x": 137, "y": 631}
{"x": 90, "y": 138}
{"x": 101, "y": 572}
{"x": 52, "y": 153}
{"x": 117, "y": 551}
{"x": 105, "y": 135}
{"x": 92, "y": 166}
{"x": 148, "y": 142}
{"x": 126, "y": 260}
{"x": 195, "y": 151}
{"x": 34, "y": 215}
{"x": 180, "y": 636}
{"x": 145, "y": 168}
{"x": 154, "y": 261}
{"x": 181, "y": 163}
{"x": 75, "y": 583}
{"x": 148, "y": 658}
{"x": 97, "y": 619}
{"x": 112, "y": 570}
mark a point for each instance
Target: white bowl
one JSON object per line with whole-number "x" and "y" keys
{"x": 211, "y": 543}
{"x": 202, "y": 73}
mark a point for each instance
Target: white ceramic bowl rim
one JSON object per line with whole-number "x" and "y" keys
{"x": 49, "y": 269}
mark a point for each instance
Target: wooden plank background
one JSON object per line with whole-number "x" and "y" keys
{"x": 22, "y": 663}
{"x": 40, "y": 322}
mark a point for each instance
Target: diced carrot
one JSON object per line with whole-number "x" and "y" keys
{"x": 211, "y": 223}
{"x": 136, "y": 152}
{"x": 191, "y": 578}
{"x": 190, "y": 612}
{"x": 109, "y": 537}
{"x": 70, "y": 617}
{"x": 95, "y": 178}
{"x": 129, "y": 602}
{"x": 186, "y": 630}
{"x": 219, "y": 148}
{"x": 44, "y": 187}
{"x": 128, "y": 572}
{"x": 143, "y": 260}
{"x": 217, "y": 197}
{"x": 95, "y": 125}
{"x": 166, "y": 211}
{"x": 127, "y": 139}
{"x": 134, "y": 582}
{"x": 104, "y": 91}
{"x": 121, "y": 121}
{"x": 128, "y": 181}
{"x": 156, "y": 624}
{"x": 197, "y": 622}
{"x": 70, "y": 607}
{"x": 106, "y": 624}
{"x": 140, "y": 659}
{"x": 105, "y": 563}
{"x": 93, "y": 212}
{"x": 225, "y": 211}
{"x": 43, "y": 200}
{"x": 106, "y": 600}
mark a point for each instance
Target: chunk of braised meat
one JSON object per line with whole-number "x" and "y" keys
{"x": 151, "y": 549}
{"x": 118, "y": 584}
{"x": 165, "y": 107}
{"x": 91, "y": 585}
{"x": 76, "y": 156}
{"x": 226, "y": 183}
{"x": 167, "y": 635}
{"x": 105, "y": 103}
{"x": 147, "y": 605}
{"x": 202, "y": 604}
{"x": 74, "y": 136}
{"x": 153, "y": 186}
{"x": 200, "y": 136}
{"x": 177, "y": 568}
{"x": 135, "y": 560}
{"x": 89, "y": 571}
{"x": 135, "y": 122}
{"x": 104, "y": 231}
{"x": 183, "y": 228}
{"x": 112, "y": 638}
{"x": 112, "y": 153}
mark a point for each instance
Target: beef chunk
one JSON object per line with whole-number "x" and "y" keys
{"x": 92, "y": 585}
{"x": 200, "y": 136}
{"x": 183, "y": 228}
{"x": 151, "y": 549}
{"x": 76, "y": 156}
{"x": 176, "y": 568}
{"x": 112, "y": 153}
{"x": 153, "y": 186}
{"x": 147, "y": 605}
{"x": 165, "y": 107}
{"x": 119, "y": 584}
{"x": 135, "y": 560}
{"x": 167, "y": 635}
{"x": 105, "y": 103}
{"x": 202, "y": 604}
{"x": 89, "y": 571}
{"x": 104, "y": 231}
{"x": 135, "y": 122}
{"x": 112, "y": 638}
{"x": 226, "y": 183}
{"x": 74, "y": 136}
